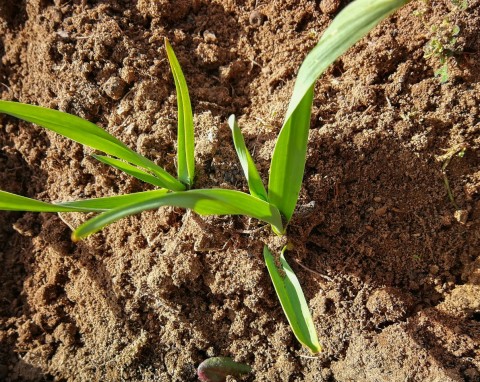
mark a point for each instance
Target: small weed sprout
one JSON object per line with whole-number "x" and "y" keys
{"x": 442, "y": 46}
{"x": 459, "y": 151}
{"x": 443, "y": 42}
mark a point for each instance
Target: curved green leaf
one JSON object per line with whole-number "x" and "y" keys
{"x": 293, "y": 301}
{"x": 203, "y": 202}
{"x": 185, "y": 135}
{"x": 13, "y": 202}
{"x": 255, "y": 183}
{"x": 130, "y": 170}
{"x": 349, "y": 26}
{"x": 110, "y": 202}
{"x": 288, "y": 160}
{"x": 87, "y": 134}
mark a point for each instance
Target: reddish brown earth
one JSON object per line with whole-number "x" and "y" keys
{"x": 391, "y": 270}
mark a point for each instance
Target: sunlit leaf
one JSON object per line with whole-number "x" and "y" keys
{"x": 88, "y": 134}
{"x": 204, "y": 202}
{"x": 129, "y": 169}
{"x": 293, "y": 301}
{"x": 255, "y": 183}
{"x": 12, "y": 202}
{"x": 288, "y": 160}
{"x": 185, "y": 134}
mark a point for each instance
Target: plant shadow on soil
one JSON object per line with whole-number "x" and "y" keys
{"x": 329, "y": 240}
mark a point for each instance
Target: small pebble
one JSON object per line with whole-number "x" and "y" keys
{"x": 114, "y": 88}
{"x": 256, "y": 18}
{"x": 434, "y": 269}
{"x": 381, "y": 211}
{"x": 461, "y": 216}
{"x": 209, "y": 36}
{"x": 329, "y": 6}
{"x": 127, "y": 74}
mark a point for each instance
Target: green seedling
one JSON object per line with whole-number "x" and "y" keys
{"x": 446, "y": 158}
{"x": 204, "y": 202}
{"x": 442, "y": 44}
{"x": 217, "y": 369}
{"x": 274, "y": 205}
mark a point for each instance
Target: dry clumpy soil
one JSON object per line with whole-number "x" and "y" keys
{"x": 389, "y": 265}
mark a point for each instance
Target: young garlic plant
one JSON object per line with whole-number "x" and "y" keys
{"x": 274, "y": 205}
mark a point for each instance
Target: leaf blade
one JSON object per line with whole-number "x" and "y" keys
{"x": 203, "y": 202}
{"x": 293, "y": 301}
{"x": 110, "y": 202}
{"x": 289, "y": 157}
{"x": 13, "y": 202}
{"x": 250, "y": 171}
{"x": 129, "y": 169}
{"x": 185, "y": 135}
{"x": 350, "y": 25}
{"x": 87, "y": 134}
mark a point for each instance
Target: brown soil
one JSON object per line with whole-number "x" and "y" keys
{"x": 391, "y": 270}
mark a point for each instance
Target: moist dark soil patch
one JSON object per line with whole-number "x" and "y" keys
{"x": 390, "y": 267}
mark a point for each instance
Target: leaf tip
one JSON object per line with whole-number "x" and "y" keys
{"x": 75, "y": 238}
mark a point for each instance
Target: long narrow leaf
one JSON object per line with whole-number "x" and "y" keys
{"x": 87, "y": 134}
{"x": 12, "y": 202}
{"x": 185, "y": 135}
{"x": 293, "y": 301}
{"x": 349, "y": 26}
{"x": 130, "y": 170}
{"x": 110, "y": 202}
{"x": 203, "y": 202}
{"x": 288, "y": 160}
{"x": 255, "y": 183}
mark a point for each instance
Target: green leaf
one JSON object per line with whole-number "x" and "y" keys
{"x": 203, "y": 202}
{"x": 442, "y": 73}
{"x": 293, "y": 301}
{"x": 349, "y": 26}
{"x": 87, "y": 134}
{"x": 288, "y": 160}
{"x": 255, "y": 183}
{"x": 12, "y": 202}
{"x": 185, "y": 135}
{"x": 130, "y": 170}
